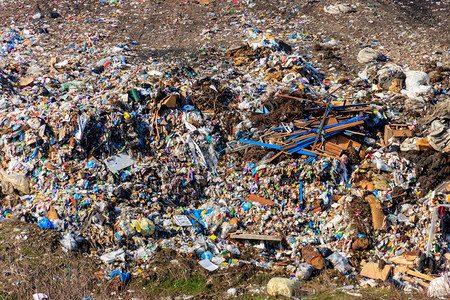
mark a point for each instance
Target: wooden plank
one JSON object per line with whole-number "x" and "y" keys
{"x": 296, "y": 141}
{"x": 257, "y": 199}
{"x": 316, "y": 123}
{"x": 400, "y": 195}
{"x": 399, "y": 260}
{"x": 354, "y": 110}
{"x": 275, "y": 156}
{"x": 307, "y": 143}
{"x": 298, "y": 132}
{"x": 400, "y": 269}
{"x": 411, "y": 255}
{"x": 415, "y": 280}
{"x": 323, "y": 153}
{"x": 419, "y": 275}
{"x": 327, "y": 131}
{"x": 305, "y": 152}
{"x": 332, "y": 144}
{"x": 354, "y": 132}
{"x": 299, "y": 142}
{"x": 332, "y": 148}
{"x": 345, "y": 126}
{"x": 319, "y": 131}
{"x": 255, "y": 237}
{"x": 333, "y": 129}
{"x": 344, "y": 109}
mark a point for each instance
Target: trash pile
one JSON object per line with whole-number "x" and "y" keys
{"x": 262, "y": 153}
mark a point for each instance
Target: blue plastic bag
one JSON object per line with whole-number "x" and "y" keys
{"x": 46, "y": 223}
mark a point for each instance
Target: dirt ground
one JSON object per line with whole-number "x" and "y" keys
{"x": 409, "y": 31}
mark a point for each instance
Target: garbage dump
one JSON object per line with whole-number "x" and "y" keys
{"x": 260, "y": 158}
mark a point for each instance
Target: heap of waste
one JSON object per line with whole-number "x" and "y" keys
{"x": 261, "y": 152}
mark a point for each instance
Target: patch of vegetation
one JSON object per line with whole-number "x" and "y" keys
{"x": 192, "y": 285}
{"x": 260, "y": 279}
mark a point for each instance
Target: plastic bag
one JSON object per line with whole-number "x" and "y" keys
{"x": 45, "y": 223}
{"x": 340, "y": 263}
{"x": 143, "y": 226}
{"x": 439, "y": 287}
{"x": 18, "y": 181}
{"x": 227, "y": 228}
{"x": 417, "y": 83}
{"x": 368, "y": 54}
{"x": 337, "y": 9}
{"x": 147, "y": 227}
{"x": 39, "y": 296}
{"x": 380, "y": 165}
{"x": 126, "y": 228}
{"x": 69, "y": 242}
{"x": 304, "y": 271}
{"x": 112, "y": 256}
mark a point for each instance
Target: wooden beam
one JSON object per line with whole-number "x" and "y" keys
{"x": 419, "y": 275}
{"x": 255, "y": 237}
{"x": 322, "y": 154}
{"x": 275, "y": 156}
{"x": 319, "y": 132}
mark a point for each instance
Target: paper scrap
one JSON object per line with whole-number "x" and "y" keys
{"x": 208, "y": 265}
{"x": 182, "y": 220}
{"x": 119, "y": 162}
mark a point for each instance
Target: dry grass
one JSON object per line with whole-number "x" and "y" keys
{"x": 32, "y": 261}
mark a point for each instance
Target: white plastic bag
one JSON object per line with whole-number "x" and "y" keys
{"x": 69, "y": 242}
{"x": 439, "y": 287}
{"x": 380, "y": 165}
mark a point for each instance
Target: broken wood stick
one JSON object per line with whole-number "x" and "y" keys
{"x": 419, "y": 275}
{"x": 255, "y": 237}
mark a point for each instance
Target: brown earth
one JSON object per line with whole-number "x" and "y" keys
{"x": 409, "y": 31}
